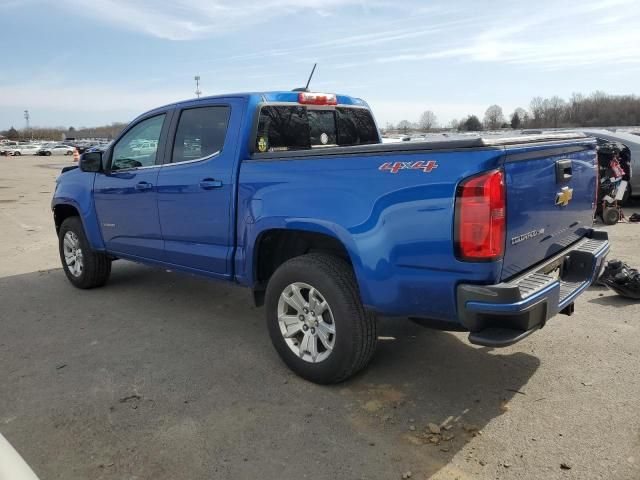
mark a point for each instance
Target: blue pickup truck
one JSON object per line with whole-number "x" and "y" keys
{"x": 293, "y": 195}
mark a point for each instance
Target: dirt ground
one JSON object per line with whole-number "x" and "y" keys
{"x": 160, "y": 375}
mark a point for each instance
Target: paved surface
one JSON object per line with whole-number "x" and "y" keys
{"x": 167, "y": 376}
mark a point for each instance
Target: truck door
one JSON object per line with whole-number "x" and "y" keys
{"x": 125, "y": 194}
{"x": 196, "y": 185}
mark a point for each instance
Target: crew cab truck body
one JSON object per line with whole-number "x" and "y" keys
{"x": 292, "y": 195}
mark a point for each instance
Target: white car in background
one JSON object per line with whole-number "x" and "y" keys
{"x": 631, "y": 142}
{"x": 24, "y": 150}
{"x": 145, "y": 147}
{"x": 55, "y": 150}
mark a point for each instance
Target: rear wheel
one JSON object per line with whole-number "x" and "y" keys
{"x": 16, "y": 154}
{"x": 84, "y": 267}
{"x": 316, "y": 320}
{"x": 48, "y": 154}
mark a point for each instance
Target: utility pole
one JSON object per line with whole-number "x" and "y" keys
{"x": 197, "y": 79}
{"x": 26, "y": 117}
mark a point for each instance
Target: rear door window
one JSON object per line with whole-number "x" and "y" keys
{"x": 201, "y": 132}
{"x": 282, "y": 128}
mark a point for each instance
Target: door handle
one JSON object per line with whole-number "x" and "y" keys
{"x": 564, "y": 170}
{"x": 143, "y": 186}
{"x": 210, "y": 183}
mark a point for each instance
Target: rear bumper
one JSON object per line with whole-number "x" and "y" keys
{"x": 503, "y": 314}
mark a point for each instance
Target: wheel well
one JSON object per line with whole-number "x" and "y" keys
{"x": 274, "y": 247}
{"x": 62, "y": 212}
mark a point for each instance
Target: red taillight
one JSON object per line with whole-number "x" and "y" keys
{"x": 307, "y": 98}
{"x": 481, "y": 217}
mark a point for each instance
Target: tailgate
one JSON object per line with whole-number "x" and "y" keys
{"x": 550, "y": 200}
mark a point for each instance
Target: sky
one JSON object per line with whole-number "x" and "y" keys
{"x": 86, "y": 63}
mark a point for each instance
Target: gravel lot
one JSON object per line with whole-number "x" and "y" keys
{"x": 166, "y": 376}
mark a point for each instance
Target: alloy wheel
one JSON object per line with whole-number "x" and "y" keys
{"x": 306, "y": 322}
{"x": 73, "y": 253}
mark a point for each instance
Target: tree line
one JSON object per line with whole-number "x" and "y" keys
{"x": 596, "y": 110}
{"x": 60, "y": 133}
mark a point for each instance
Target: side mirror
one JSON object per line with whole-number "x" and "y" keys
{"x": 91, "y": 162}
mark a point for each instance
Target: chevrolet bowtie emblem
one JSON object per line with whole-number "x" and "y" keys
{"x": 564, "y": 196}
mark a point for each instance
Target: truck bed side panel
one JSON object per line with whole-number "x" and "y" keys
{"x": 397, "y": 227}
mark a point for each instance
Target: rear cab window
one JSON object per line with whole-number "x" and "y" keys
{"x": 297, "y": 127}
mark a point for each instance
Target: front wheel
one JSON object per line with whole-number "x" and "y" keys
{"x": 316, "y": 320}
{"x": 84, "y": 267}
{"x": 16, "y": 154}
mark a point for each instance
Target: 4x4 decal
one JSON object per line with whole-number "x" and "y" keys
{"x": 395, "y": 167}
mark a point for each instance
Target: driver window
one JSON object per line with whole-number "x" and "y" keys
{"x": 139, "y": 145}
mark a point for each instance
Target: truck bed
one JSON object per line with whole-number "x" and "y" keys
{"x": 399, "y": 225}
{"x": 447, "y": 143}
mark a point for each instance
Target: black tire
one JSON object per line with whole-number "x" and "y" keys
{"x": 16, "y": 154}
{"x": 48, "y": 154}
{"x": 610, "y": 216}
{"x": 356, "y": 337}
{"x": 96, "y": 266}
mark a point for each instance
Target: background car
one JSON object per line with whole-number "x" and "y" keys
{"x": 84, "y": 146}
{"x": 55, "y": 150}
{"x": 101, "y": 147}
{"x": 632, "y": 144}
{"x": 24, "y": 150}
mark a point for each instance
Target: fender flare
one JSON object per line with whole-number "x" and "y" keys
{"x": 88, "y": 218}
{"x": 253, "y": 233}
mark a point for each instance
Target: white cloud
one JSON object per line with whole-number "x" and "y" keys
{"x": 391, "y": 46}
{"x": 550, "y": 35}
{"x": 191, "y": 19}
{"x": 100, "y": 98}
{"x": 553, "y": 37}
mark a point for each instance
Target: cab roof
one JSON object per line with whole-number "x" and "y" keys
{"x": 267, "y": 97}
